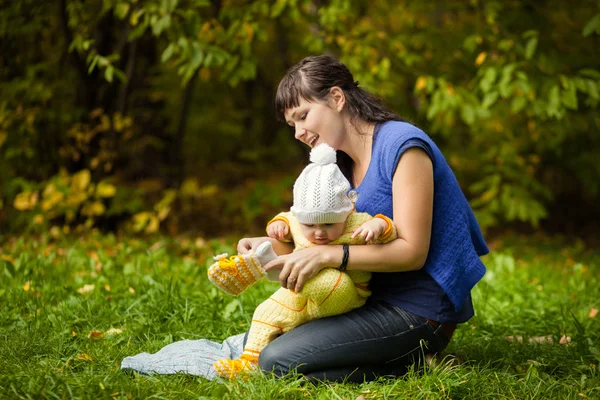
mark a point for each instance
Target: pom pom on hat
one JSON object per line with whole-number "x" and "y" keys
{"x": 323, "y": 154}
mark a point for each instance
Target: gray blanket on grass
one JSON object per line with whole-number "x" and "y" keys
{"x": 194, "y": 357}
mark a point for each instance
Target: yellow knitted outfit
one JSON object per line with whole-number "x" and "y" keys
{"x": 330, "y": 292}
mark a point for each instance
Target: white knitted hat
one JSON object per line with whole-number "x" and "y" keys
{"x": 321, "y": 190}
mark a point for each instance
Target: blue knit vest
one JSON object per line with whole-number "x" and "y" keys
{"x": 456, "y": 239}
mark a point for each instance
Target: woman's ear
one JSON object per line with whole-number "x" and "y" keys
{"x": 337, "y": 98}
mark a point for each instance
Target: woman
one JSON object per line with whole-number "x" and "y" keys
{"x": 422, "y": 280}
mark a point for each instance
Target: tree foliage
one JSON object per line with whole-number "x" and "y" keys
{"x": 169, "y": 103}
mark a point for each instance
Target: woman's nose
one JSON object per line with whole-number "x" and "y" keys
{"x": 299, "y": 132}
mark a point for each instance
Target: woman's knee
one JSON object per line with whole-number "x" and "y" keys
{"x": 271, "y": 359}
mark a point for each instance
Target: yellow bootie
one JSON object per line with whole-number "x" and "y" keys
{"x": 235, "y": 274}
{"x": 230, "y": 369}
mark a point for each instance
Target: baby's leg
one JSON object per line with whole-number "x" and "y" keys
{"x": 331, "y": 292}
{"x": 281, "y": 312}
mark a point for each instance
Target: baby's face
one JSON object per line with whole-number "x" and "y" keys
{"x": 322, "y": 233}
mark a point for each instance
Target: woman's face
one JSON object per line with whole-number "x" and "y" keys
{"x": 322, "y": 233}
{"x": 316, "y": 123}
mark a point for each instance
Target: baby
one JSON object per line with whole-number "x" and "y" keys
{"x": 322, "y": 213}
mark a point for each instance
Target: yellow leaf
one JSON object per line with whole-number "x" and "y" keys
{"x": 480, "y": 58}
{"x": 249, "y": 31}
{"x": 140, "y": 220}
{"x": 163, "y": 213}
{"x": 86, "y": 289}
{"x": 95, "y": 208}
{"x": 209, "y": 190}
{"x": 153, "y": 225}
{"x": 38, "y": 219}
{"x": 114, "y": 331}
{"x": 55, "y": 232}
{"x": 593, "y": 312}
{"x": 96, "y": 335}
{"x": 190, "y": 187}
{"x": 421, "y": 83}
{"x": 27, "y": 286}
{"x": 96, "y": 112}
{"x": 118, "y": 122}
{"x": 7, "y": 257}
{"x": 84, "y": 357}
{"x": 26, "y": 200}
{"x": 81, "y": 180}
{"x": 49, "y": 189}
{"x": 104, "y": 123}
{"x": 105, "y": 190}
{"x": 76, "y": 198}
{"x": 131, "y": 290}
{"x": 51, "y": 198}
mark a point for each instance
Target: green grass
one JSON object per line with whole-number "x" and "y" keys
{"x": 157, "y": 292}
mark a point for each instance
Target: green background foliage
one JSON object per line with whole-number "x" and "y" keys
{"x": 146, "y": 115}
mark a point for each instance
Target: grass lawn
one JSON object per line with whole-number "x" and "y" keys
{"x": 72, "y": 308}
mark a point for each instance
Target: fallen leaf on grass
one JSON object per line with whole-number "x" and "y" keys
{"x": 8, "y": 258}
{"x": 114, "y": 331}
{"x": 27, "y": 286}
{"x": 86, "y": 289}
{"x": 548, "y": 339}
{"x": 96, "y": 335}
{"x": 84, "y": 357}
{"x": 593, "y": 313}
{"x": 565, "y": 340}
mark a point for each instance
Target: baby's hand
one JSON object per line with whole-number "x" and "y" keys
{"x": 278, "y": 230}
{"x": 370, "y": 230}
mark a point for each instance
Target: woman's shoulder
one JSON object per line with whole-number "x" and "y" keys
{"x": 399, "y": 130}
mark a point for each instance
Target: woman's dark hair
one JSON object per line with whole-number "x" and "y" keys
{"x": 312, "y": 78}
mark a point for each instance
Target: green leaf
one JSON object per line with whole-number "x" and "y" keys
{"x": 168, "y": 52}
{"x": 162, "y": 24}
{"x": 467, "y": 113}
{"x": 530, "y": 47}
{"x": 489, "y": 99}
{"x": 108, "y": 73}
{"x": 590, "y": 72}
{"x": 553, "y": 101}
{"x": 489, "y": 77}
{"x": 569, "y": 97}
{"x": 9, "y": 268}
{"x": 121, "y": 10}
{"x": 592, "y": 89}
{"x": 593, "y": 26}
{"x": 278, "y": 8}
{"x": 518, "y": 103}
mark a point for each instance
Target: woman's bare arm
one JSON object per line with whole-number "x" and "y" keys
{"x": 412, "y": 192}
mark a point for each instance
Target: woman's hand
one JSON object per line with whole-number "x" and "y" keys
{"x": 298, "y": 267}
